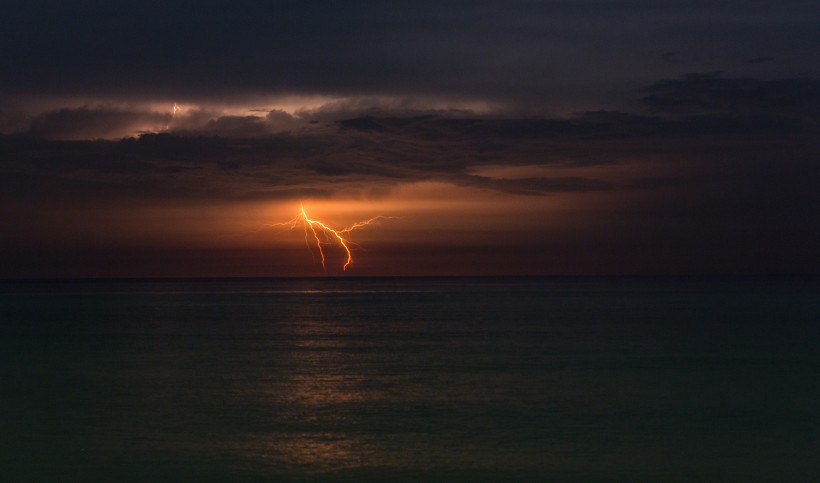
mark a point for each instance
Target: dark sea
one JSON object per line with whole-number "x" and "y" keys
{"x": 411, "y": 379}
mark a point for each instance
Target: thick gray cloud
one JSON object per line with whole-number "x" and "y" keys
{"x": 544, "y": 55}
{"x": 712, "y": 93}
{"x": 92, "y": 123}
{"x": 702, "y": 123}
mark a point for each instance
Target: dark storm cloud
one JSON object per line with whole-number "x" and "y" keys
{"x": 530, "y": 53}
{"x": 711, "y": 92}
{"x": 533, "y": 185}
{"x": 713, "y": 166}
{"x": 92, "y": 123}
{"x": 756, "y": 125}
{"x": 103, "y": 122}
{"x": 179, "y": 166}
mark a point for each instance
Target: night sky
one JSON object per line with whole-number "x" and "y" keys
{"x": 164, "y": 139}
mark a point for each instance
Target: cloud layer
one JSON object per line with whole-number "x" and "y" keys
{"x": 550, "y": 55}
{"x": 722, "y": 162}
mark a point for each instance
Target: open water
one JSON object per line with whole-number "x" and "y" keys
{"x": 449, "y": 379}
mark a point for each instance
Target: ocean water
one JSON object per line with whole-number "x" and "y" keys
{"x": 449, "y": 379}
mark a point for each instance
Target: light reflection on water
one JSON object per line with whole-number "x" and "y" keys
{"x": 325, "y": 382}
{"x": 411, "y": 379}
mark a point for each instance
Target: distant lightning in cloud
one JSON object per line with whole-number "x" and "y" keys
{"x": 174, "y": 111}
{"x": 318, "y": 234}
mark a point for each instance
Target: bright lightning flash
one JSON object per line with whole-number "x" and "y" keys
{"x": 323, "y": 235}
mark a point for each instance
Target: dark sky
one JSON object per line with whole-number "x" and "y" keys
{"x": 523, "y": 137}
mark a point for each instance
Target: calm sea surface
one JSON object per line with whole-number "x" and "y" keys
{"x": 495, "y": 379}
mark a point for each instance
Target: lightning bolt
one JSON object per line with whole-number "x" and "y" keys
{"x": 174, "y": 111}
{"x": 323, "y": 235}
